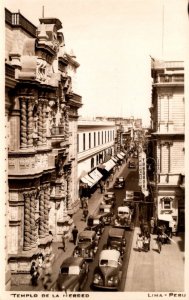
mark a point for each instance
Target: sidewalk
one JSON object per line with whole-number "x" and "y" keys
{"x": 156, "y": 272}
{"x": 60, "y": 255}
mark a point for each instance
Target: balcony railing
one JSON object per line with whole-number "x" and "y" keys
{"x": 16, "y": 19}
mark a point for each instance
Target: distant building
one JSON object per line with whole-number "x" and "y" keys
{"x": 95, "y": 142}
{"x": 167, "y": 142}
{"x": 41, "y": 115}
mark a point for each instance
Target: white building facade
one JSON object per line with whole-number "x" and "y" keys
{"x": 95, "y": 142}
{"x": 168, "y": 125}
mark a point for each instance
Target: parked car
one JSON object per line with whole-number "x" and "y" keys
{"x": 95, "y": 223}
{"x": 109, "y": 198}
{"x": 106, "y": 212}
{"x": 117, "y": 239}
{"x": 119, "y": 183}
{"x": 132, "y": 164}
{"x": 123, "y": 217}
{"x": 107, "y": 275}
{"x": 87, "y": 245}
{"x": 72, "y": 275}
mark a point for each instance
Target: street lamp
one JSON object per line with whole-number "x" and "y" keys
{"x": 156, "y": 187}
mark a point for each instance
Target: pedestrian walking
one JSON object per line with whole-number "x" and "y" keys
{"x": 159, "y": 243}
{"x": 139, "y": 242}
{"x": 74, "y": 234}
{"x": 85, "y": 213}
{"x": 47, "y": 273}
{"x": 111, "y": 177}
{"x": 107, "y": 183}
{"x": 34, "y": 274}
{"x": 63, "y": 242}
{"x": 152, "y": 224}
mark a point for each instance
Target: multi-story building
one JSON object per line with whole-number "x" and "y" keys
{"x": 168, "y": 124}
{"x": 41, "y": 116}
{"x": 96, "y": 141}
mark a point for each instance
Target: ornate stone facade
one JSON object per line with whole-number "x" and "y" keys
{"x": 40, "y": 104}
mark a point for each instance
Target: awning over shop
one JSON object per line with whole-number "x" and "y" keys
{"x": 84, "y": 180}
{"x": 96, "y": 175}
{"x": 109, "y": 165}
{"x": 119, "y": 156}
{"x": 114, "y": 159}
{"x": 165, "y": 217}
{"x": 122, "y": 153}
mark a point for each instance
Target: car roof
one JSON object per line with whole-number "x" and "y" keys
{"x": 87, "y": 233}
{"x": 109, "y": 193}
{"x": 109, "y": 254}
{"x": 70, "y": 261}
{"x": 123, "y": 208}
{"x": 116, "y": 232}
{"x": 105, "y": 205}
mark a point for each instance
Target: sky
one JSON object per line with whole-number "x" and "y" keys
{"x": 113, "y": 41}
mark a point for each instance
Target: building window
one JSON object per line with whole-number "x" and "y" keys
{"x": 98, "y": 138}
{"x": 167, "y": 203}
{"x": 92, "y": 162}
{"x": 89, "y": 140}
{"x": 77, "y": 143}
{"x": 83, "y": 141}
{"x": 94, "y": 139}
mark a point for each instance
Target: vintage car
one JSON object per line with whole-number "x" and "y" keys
{"x": 109, "y": 198}
{"x": 123, "y": 217}
{"x": 132, "y": 164}
{"x": 87, "y": 245}
{"x": 107, "y": 275}
{"x": 119, "y": 183}
{"x": 95, "y": 223}
{"x": 72, "y": 275}
{"x": 117, "y": 239}
{"x": 106, "y": 212}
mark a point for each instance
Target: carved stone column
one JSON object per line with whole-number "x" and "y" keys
{"x": 23, "y": 118}
{"x": 32, "y": 219}
{"x": 40, "y": 124}
{"x": 46, "y": 205}
{"x": 69, "y": 202}
{"x": 27, "y": 224}
{"x": 30, "y": 122}
{"x": 44, "y": 129}
{"x": 41, "y": 214}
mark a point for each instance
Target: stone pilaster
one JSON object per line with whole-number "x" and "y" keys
{"x": 46, "y": 205}
{"x": 30, "y": 122}
{"x": 27, "y": 223}
{"x": 44, "y": 129}
{"x": 40, "y": 124}
{"x": 23, "y": 129}
{"x": 41, "y": 214}
{"x": 32, "y": 219}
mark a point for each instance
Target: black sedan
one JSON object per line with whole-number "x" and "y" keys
{"x": 72, "y": 275}
{"x": 119, "y": 183}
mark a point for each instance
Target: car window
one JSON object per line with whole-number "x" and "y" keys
{"x": 108, "y": 263}
{"x": 74, "y": 270}
{"x": 65, "y": 270}
{"x": 84, "y": 240}
{"x": 95, "y": 222}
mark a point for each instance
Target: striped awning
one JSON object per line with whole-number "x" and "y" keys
{"x": 109, "y": 164}
{"x": 120, "y": 156}
{"x": 96, "y": 175}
